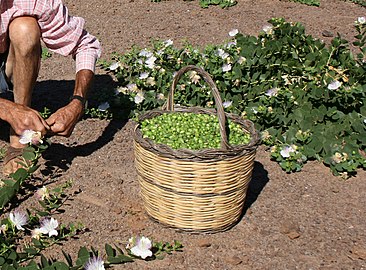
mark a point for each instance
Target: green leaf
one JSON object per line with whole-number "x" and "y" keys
{"x": 67, "y": 257}
{"x": 60, "y": 266}
{"x": 83, "y": 256}
{"x": 44, "y": 261}
{"x": 31, "y": 251}
{"x": 21, "y": 174}
{"x": 29, "y": 155}
{"x": 109, "y": 250}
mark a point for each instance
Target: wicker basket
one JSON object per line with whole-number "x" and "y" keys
{"x": 196, "y": 191}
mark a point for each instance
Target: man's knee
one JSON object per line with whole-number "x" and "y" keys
{"x": 24, "y": 35}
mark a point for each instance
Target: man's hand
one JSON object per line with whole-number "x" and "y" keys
{"x": 21, "y": 118}
{"x": 63, "y": 121}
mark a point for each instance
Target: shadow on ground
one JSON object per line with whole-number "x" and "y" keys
{"x": 52, "y": 94}
{"x": 256, "y": 185}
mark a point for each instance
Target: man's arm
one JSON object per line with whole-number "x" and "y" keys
{"x": 63, "y": 121}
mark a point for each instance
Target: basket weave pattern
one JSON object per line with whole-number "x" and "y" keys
{"x": 196, "y": 191}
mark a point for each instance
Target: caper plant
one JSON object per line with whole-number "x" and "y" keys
{"x": 307, "y": 98}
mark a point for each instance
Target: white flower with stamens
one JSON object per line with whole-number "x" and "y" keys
{"x": 334, "y": 85}
{"x": 361, "y": 20}
{"x": 114, "y": 66}
{"x": 36, "y": 233}
{"x": 140, "y": 247}
{"x": 195, "y": 78}
{"x": 139, "y": 97}
{"x": 150, "y": 62}
{"x": 3, "y": 228}
{"x": 103, "y": 106}
{"x": 272, "y": 92}
{"x": 241, "y": 60}
{"x": 231, "y": 44}
{"x": 95, "y": 263}
{"x": 31, "y": 136}
{"x": 132, "y": 87}
{"x": 226, "y": 67}
{"x": 146, "y": 53}
{"x": 18, "y": 219}
{"x": 49, "y": 226}
{"x": 287, "y": 150}
{"x": 227, "y": 104}
{"x": 144, "y": 75}
{"x": 221, "y": 53}
{"x": 160, "y": 96}
{"x": 268, "y": 29}
{"x": 233, "y": 32}
{"x": 43, "y": 193}
{"x": 150, "y": 81}
{"x": 168, "y": 42}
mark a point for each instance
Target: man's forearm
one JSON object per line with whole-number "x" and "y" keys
{"x": 83, "y": 81}
{"x": 5, "y": 106}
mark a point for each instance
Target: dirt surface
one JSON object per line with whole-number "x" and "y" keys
{"x": 306, "y": 220}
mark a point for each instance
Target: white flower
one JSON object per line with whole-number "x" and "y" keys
{"x": 121, "y": 89}
{"x": 150, "y": 62}
{"x": 160, "y": 96}
{"x": 227, "y": 104}
{"x": 285, "y": 152}
{"x": 95, "y": 263}
{"x": 272, "y": 92}
{"x": 18, "y": 219}
{"x": 364, "y": 121}
{"x": 361, "y": 20}
{"x": 43, "y": 193}
{"x": 49, "y": 226}
{"x": 144, "y": 75}
{"x": 231, "y": 44}
{"x": 195, "y": 78}
{"x": 268, "y": 29}
{"x": 132, "y": 87}
{"x": 114, "y": 66}
{"x": 334, "y": 85}
{"x": 168, "y": 42}
{"x": 265, "y": 135}
{"x": 233, "y": 32}
{"x": 222, "y": 53}
{"x": 241, "y": 60}
{"x": 226, "y": 67}
{"x": 140, "y": 247}
{"x": 103, "y": 106}
{"x": 36, "y": 233}
{"x": 3, "y": 228}
{"x": 31, "y": 136}
{"x": 150, "y": 81}
{"x": 139, "y": 97}
{"x": 145, "y": 53}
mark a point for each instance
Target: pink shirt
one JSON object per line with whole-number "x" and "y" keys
{"x": 60, "y": 32}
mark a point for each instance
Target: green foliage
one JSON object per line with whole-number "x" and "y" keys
{"x": 24, "y": 235}
{"x": 10, "y": 187}
{"x": 45, "y": 53}
{"x": 358, "y": 2}
{"x": 296, "y": 90}
{"x": 207, "y": 3}
{"x": 308, "y": 2}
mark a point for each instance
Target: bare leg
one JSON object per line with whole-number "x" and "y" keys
{"x": 22, "y": 68}
{"x": 23, "y": 62}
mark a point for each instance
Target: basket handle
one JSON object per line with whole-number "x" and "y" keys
{"x": 218, "y": 102}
